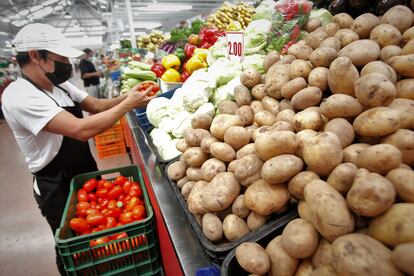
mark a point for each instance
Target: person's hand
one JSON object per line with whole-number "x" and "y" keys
{"x": 139, "y": 99}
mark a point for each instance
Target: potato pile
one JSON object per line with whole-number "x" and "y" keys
{"x": 339, "y": 136}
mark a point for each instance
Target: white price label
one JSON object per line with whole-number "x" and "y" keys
{"x": 235, "y": 46}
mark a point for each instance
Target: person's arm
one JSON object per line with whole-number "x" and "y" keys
{"x": 66, "y": 124}
{"x": 91, "y": 75}
{"x": 94, "y": 105}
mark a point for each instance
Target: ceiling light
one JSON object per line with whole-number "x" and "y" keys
{"x": 20, "y": 23}
{"x": 23, "y": 12}
{"x": 3, "y": 33}
{"x": 158, "y": 7}
{"x": 36, "y": 8}
{"x": 42, "y": 13}
{"x": 5, "y": 19}
{"x": 49, "y": 2}
{"x": 14, "y": 16}
{"x": 147, "y": 25}
{"x": 58, "y": 8}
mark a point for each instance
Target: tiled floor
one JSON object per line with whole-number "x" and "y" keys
{"x": 26, "y": 241}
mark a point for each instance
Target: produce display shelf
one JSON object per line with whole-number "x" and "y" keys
{"x": 162, "y": 161}
{"x": 187, "y": 249}
{"x": 218, "y": 252}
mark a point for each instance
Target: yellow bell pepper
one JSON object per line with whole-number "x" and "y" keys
{"x": 171, "y": 61}
{"x": 202, "y": 53}
{"x": 171, "y": 75}
{"x": 194, "y": 63}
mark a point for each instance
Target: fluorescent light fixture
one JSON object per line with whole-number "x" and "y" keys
{"x": 42, "y": 13}
{"x": 49, "y": 2}
{"x": 4, "y": 33}
{"x": 158, "y": 7}
{"x": 20, "y": 23}
{"x": 13, "y": 16}
{"x": 103, "y": 2}
{"x": 147, "y": 25}
{"x": 58, "y": 8}
{"x": 23, "y": 12}
{"x": 36, "y": 8}
{"x": 103, "y": 7}
{"x": 5, "y": 19}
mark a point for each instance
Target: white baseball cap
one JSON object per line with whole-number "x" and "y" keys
{"x": 39, "y": 36}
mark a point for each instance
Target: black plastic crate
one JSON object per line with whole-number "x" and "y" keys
{"x": 218, "y": 252}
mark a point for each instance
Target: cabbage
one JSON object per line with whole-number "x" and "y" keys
{"x": 159, "y": 137}
{"x": 264, "y": 10}
{"x": 169, "y": 150}
{"x": 254, "y": 42}
{"x": 219, "y": 49}
{"x": 323, "y": 15}
{"x": 207, "y": 108}
{"x": 164, "y": 144}
{"x": 223, "y": 70}
{"x": 166, "y": 124}
{"x": 197, "y": 90}
{"x": 225, "y": 92}
{"x": 192, "y": 101}
{"x": 259, "y": 26}
{"x": 157, "y": 109}
{"x": 255, "y": 61}
{"x": 181, "y": 122}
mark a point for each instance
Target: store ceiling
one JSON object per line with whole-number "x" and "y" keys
{"x": 91, "y": 18}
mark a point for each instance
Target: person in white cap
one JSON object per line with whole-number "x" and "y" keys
{"x": 44, "y": 111}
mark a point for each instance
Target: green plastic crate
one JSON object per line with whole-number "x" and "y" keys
{"x": 138, "y": 254}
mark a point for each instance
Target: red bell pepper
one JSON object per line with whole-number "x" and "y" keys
{"x": 158, "y": 69}
{"x": 189, "y": 50}
{"x": 184, "y": 76}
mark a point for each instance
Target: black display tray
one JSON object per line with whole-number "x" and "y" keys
{"x": 217, "y": 252}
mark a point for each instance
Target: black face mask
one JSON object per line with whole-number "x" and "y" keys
{"x": 63, "y": 71}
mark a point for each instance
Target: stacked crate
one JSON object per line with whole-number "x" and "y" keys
{"x": 111, "y": 142}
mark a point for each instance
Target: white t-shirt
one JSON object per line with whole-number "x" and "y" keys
{"x": 28, "y": 110}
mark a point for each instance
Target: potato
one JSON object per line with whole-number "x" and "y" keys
{"x": 351, "y": 152}
{"x": 299, "y": 68}
{"x": 342, "y": 177}
{"x": 322, "y": 57}
{"x": 211, "y": 168}
{"x": 250, "y": 77}
{"x": 359, "y": 254}
{"x": 206, "y": 143}
{"x": 222, "y": 122}
{"x": 403, "y": 257}
{"x": 405, "y": 89}
{"x": 186, "y": 190}
{"x": 239, "y": 209}
{"x": 212, "y": 227}
{"x": 264, "y": 198}
{"x": 195, "y": 157}
{"x": 375, "y": 89}
{"x": 256, "y": 106}
{"x": 245, "y": 150}
{"x": 331, "y": 42}
{"x": 271, "y": 105}
{"x": 234, "y": 228}
{"x": 285, "y": 115}
{"x": 182, "y": 182}
{"x": 253, "y": 258}
{"x": 259, "y": 91}
{"x": 403, "y": 139}
{"x": 361, "y": 52}
{"x": 194, "y": 174}
{"x": 281, "y": 168}
{"x": 403, "y": 181}
{"x": 275, "y": 143}
{"x": 405, "y": 108}
{"x": 282, "y": 126}
{"x": 193, "y": 137}
{"x": 323, "y": 255}
{"x": 342, "y": 76}
{"x": 237, "y": 137}
{"x": 255, "y": 221}
{"x": 270, "y": 59}
{"x": 246, "y": 115}
{"x": 287, "y": 59}
{"x": 318, "y": 77}
{"x": 325, "y": 270}
{"x": 221, "y": 192}
{"x": 305, "y": 268}
{"x": 388, "y": 52}
{"x": 297, "y": 184}
{"x": 312, "y": 24}
{"x": 364, "y": 23}
{"x": 281, "y": 263}
{"x": 276, "y": 77}
{"x": 195, "y": 197}
{"x": 293, "y": 86}
{"x": 176, "y": 170}
{"x": 227, "y": 107}
{"x": 301, "y": 137}
{"x": 314, "y": 38}
{"x": 260, "y": 131}
{"x": 246, "y": 169}
{"x": 202, "y": 121}
{"x": 285, "y": 104}
{"x": 381, "y": 68}
{"x": 399, "y": 16}
{"x": 346, "y": 36}
{"x": 407, "y": 35}
{"x": 307, "y": 119}
{"x": 403, "y": 65}
{"x": 343, "y": 129}
{"x": 331, "y": 29}
{"x": 344, "y": 20}
{"x": 181, "y": 145}
{"x": 242, "y": 95}
{"x": 300, "y": 239}
{"x": 370, "y": 195}
{"x": 328, "y": 210}
{"x": 385, "y": 35}
{"x": 394, "y": 227}
{"x": 408, "y": 48}
{"x": 379, "y": 158}
{"x": 322, "y": 153}
{"x": 222, "y": 151}
{"x": 307, "y": 97}
{"x": 377, "y": 121}
{"x": 264, "y": 118}
{"x": 300, "y": 51}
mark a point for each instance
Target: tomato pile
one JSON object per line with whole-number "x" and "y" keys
{"x": 146, "y": 84}
{"x": 104, "y": 204}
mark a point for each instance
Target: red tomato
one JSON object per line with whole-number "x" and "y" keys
{"x": 79, "y": 225}
{"x": 101, "y": 184}
{"x": 126, "y": 218}
{"x": 120, "y": 180}
{"x": 92, "y": 197}
{"x": 135, "y": 190}
{"x": 105, "y": 212}
{"x": 138, "y": 212}
{"x": 86, "y": 232}
{"x": 134, "y": 201}
{"x": 121, "y": 197}
{"x": 115, "y": 192}
{"x": 104, "y": 203}
{"x": 103, "y": 193}
{"x": 96, "y": 219}
{"x": 82, "y": 196}
{"x": 112, "y": 204}
{"x": 108, "y": 185}
{"x": 126, "y": 199}
{"x": 81, "y": 208}
{"x": 90, "y": 185}
{"x": 127, "y": 187}
{"x": 115, "y": 213}
{"x": 119, "y": 236}
{"x": 93, "y": 204}
{"x": 110, "y": 222}
{"x": 99, "y": 241}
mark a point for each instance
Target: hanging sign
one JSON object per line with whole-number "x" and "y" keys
{"x": 235, "y": 46}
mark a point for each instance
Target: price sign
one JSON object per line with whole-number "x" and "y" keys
{"x": 235, "y": 46}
